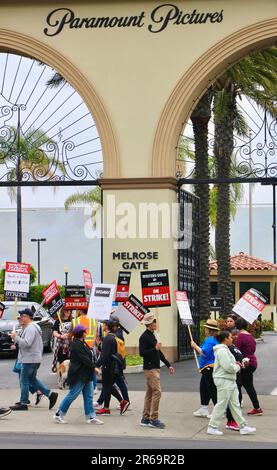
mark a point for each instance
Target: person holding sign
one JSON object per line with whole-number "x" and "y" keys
{"x": 206, "y": 364}
{"x": 247, "y": 345}
{"x": 150, "y": 350}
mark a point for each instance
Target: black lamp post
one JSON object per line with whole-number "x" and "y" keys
{"x": 66, "y": 271}
{"x": 38, "y": 240}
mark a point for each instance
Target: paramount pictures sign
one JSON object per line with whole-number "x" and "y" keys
{"x": 155, "y": 21}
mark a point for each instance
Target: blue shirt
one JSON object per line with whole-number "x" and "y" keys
{"x": 207, "y": 356}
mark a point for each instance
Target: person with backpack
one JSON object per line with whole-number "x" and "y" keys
{"x": 112, "y": 363}
{"x": 150, "y": 350}
{"x": 120, "y": 380}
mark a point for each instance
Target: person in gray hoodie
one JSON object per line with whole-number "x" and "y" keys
{"x": 224, "y": 375}
{"x": 30, "y": 349}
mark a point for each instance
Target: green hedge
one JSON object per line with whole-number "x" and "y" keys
{"x": 268, "y": 325}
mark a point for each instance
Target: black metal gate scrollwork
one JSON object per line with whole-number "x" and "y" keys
{"x": 188, "y": 267}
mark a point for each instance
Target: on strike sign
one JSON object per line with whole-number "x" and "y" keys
{"x": 123, "y": 284}
{"x": 183, "y": 307}
{"x": 52, "y": 297}
{"x": 131, "y": 313}
{"x": 155, "y": 288}
{"x": 250, "y": 305}
{"x": 17, "y": 279}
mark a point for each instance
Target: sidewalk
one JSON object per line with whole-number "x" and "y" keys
{"x": 175, "y": 410}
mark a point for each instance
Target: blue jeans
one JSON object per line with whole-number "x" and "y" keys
{"x": 28, "y": 378}
{"x": 74, "y": 392}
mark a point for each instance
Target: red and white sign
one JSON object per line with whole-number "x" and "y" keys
{"x": 17, "y": 277}
{"x": 87, "y": 279}
{"x": 50, "y": 292}
{"x": 131, "y": 313}
{"x": 183, "y": 307}
{"x": 123, "y": 286}
{"x": 155, "y": 288}
{"x": 250, "y": 305}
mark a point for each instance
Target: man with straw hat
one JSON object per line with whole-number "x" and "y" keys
{"x": 150, "y": 350}
{"x": 206, "y": 365}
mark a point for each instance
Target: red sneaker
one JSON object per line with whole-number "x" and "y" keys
{"x": 234, "y": 426}
{"x": 103, "y": 411}
{"x": 124, "y": 405}
{"x": 259, "y": 411}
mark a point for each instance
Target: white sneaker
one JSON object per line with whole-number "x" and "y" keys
{"x": 94, "y": 421}
{"x": 202, "y": 412}
{"x": 247, "y": 430}
{"x": 59, "y": 419}
{"x": 214, "y": 431}
{"x": 209, "y": 416}
{"x": 96, "y": 405}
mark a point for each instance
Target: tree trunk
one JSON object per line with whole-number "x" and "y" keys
{"x": 200, "y": 120}
{"x": 224, "y": 137}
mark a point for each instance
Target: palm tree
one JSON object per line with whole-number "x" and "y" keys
{"x": 254, "y": 77}
{"x": 23, "y": 156}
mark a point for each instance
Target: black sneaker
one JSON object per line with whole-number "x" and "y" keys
{"x": 4, "y": 412}
{"x": 19, "y": 407}
{"x": 38, "y": 398}
{"x": 144, "y": 422}
{"x": 18, "y": 403}
{"x": 52, "y": 399}
{"x": 156, "y": 423}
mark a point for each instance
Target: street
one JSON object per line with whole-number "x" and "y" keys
{"x": 186, "y": 377}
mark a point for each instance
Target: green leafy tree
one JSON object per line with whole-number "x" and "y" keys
{"x": 24, "y": 156}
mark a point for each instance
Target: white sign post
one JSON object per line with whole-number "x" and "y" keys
{"x": 185, "y": 314}
{"x": 101, "y": 299}
{"x": 250, "y": 305}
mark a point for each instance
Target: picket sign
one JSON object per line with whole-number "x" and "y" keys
{"x": 185, "y": 314}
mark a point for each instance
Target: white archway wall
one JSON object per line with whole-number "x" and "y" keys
{"x": 11, "y": 41}
{"x": 131, "y": 71}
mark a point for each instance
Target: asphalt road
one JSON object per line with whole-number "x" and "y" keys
{"x": 31, "y": 441}
{"x": 186, "y": 377}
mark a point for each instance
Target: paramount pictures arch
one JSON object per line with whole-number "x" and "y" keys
{"x": 141, "y": 86}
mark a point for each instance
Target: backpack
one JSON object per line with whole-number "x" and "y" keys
{"x": 119, "y": 356}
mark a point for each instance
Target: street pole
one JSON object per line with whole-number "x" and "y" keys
{"x": 250, "y": 204}
{"x": 38, "y": 240}
{"x": 274, "y": 224}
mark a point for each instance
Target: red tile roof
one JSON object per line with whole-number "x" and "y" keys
{"x": 244, "y": 261}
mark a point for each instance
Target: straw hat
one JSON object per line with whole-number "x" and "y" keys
{"x": 212, "y": 325}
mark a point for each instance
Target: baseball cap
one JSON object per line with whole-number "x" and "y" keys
{"x": 78, "y": 328}
{"x": 26, "y": 311}
{"x": 149, "y": 318}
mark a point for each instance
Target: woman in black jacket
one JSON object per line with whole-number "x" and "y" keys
{"x": 80, "y": 377}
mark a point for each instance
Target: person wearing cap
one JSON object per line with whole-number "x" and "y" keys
{"x": 30, "y": 349}
{"x": 80, "y": 377}
{"x": 150, "y": 350}
{"x": 206, "y": 365}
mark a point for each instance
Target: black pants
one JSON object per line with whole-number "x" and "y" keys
{"x": 229, "y": 415}
{"x": 247, "y": 383}
{"x": 207, "y": 387}
{"x": 108, "y": 379}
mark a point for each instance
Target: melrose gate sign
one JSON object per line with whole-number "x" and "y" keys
{"x": 156, "y": 21}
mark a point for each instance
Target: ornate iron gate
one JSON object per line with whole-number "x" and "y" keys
{"x": 188, "y": 267}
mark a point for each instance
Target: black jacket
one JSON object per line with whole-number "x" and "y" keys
{"x": 109, "y": 347}
{"x": 151, "y": 356}
{"x": 81, "y": 363}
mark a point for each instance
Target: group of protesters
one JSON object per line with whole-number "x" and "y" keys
{"x": 227, "y": 363}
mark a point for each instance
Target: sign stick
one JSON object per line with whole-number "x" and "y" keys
{"x": 195, "y": 354}
{"x": 158, "y": 326}
{"x": 59, "y": 317}
{"x": 15, "y": 310}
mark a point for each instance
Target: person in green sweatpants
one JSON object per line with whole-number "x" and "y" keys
{"x": 224, "y": 375}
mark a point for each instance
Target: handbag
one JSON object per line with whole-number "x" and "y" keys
{"x": 17, "y": 368}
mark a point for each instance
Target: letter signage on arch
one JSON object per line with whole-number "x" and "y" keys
{"x": 155, "y": 288}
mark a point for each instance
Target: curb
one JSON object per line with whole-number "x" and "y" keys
{"x": 133, "y": 369}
